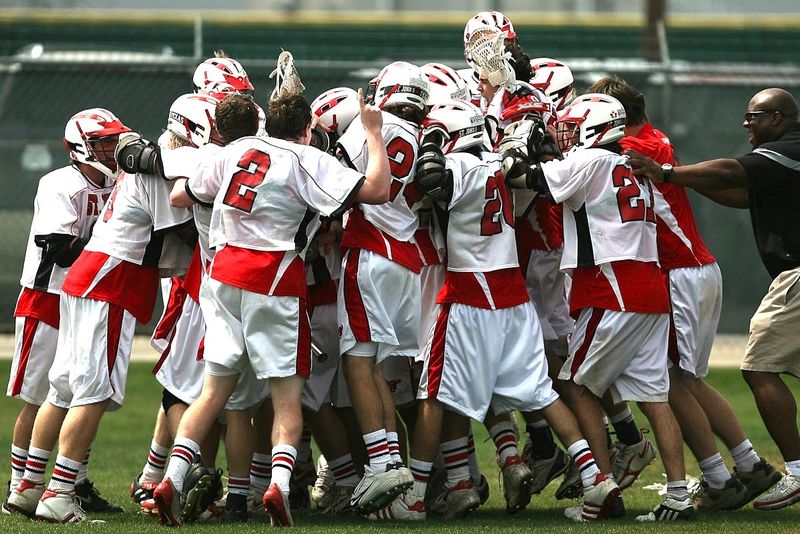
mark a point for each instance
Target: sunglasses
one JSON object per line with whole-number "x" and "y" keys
{"x": 751, "y": 115}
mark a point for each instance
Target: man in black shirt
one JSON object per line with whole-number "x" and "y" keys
{"x": 767, "y": 182}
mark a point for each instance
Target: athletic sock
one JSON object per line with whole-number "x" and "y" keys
{"x": 543, "y": 445}
{"x": 260, "y": 472}
{"x": 19, "y": 457}
{"x": 65, "y": 473}
{"x": 180, "y": 460}
{"x": 714, "y": 471}
{"x": 504, "y": 440}
{"x": 83, "y": 472}
{"x": 456, "y": 460}
{"x": 393, "y": 440}
{"x": 625, "y": 427}
{"x": 238, "y": 485}
{"x": 745, "y": 457}
{"x": 421, "y": 471}
{"x": 377, "y": 449}
{"x": 344, "y": 471}
{"x": 35, "y": 465}
{"x": 793, "y": 468}
{"x": 153, "y": 470}
{"x": 474, "y": 469}
{"x": 583, "y": 459}
{"x": 283, "y": 458}
{"x": 607, "y": 426}
{"x": 678, "y": 490}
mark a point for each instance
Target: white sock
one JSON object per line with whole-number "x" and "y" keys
{"x": 714, "y": 471}
{"x": 180, "y": 460}
{"x": 745, "y": 457}
{"x": 36, "y": 465}
{"x": 18, "y": 458}
{"x": 83, "y": 472}
{"x": 678, "y": 490}
{"x": 283, "y": 458}
{"x": 153, "y": 470}
{"x": 393, "y": 440}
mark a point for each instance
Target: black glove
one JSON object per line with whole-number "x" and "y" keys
{"x": 432, "y": 177}
{"x": 135, "y": 154}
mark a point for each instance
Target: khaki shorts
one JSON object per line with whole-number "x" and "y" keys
{"x": 774, "y": 343}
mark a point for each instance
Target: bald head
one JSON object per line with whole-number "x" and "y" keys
{"x": 776, "y": 99}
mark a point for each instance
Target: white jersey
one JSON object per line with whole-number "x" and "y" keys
{"x": 608, "y": 213}
{"x": 66, "y": 203}
{"x": 268, "y": 193}
{"x": 480, "y": 229}
{"x": 398, "y": 217}
{"x": 134, "y": 225}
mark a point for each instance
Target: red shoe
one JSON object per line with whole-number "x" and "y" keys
{"x": 276, "y": 504}
{"x": 169, "y": 503}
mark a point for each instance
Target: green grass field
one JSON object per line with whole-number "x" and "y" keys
{"x": 124, "y": 437}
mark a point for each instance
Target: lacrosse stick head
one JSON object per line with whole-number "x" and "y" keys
{"x": 486, "y": 52}
{"x": 287, "y": 80}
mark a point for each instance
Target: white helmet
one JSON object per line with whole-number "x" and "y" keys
{"x": 218, "y": 90}
{"x": 591, "y": 120}
{"x": 488, "y": 18}
{"x": 91, "y": 137}
{"x": 460, "y": 121}
{"x": 336, "y": 108}
{"x": 191, "y": 117}
{"x": 402, "y": 83}
{"x": 445, "y": 83}
{"x": 555, "y": 79}
{"x": 221, "y": 69}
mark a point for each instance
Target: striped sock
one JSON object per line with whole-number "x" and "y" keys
{"x": 745, "y": 456}
{"x": 83, "y": 472}
{"x": 393, "y": 440}
{"x": 474, "y": 469}
{"x": 377, "y": 449}
{"x": 283, "y": 458}
{"x": 260, "y": 472}
{"x": 583, "y": 459}
{"x": 180, "y": 460}
{"x": 678, "y": 490}
{"x": 456, "y": 460}
{"x": 153, "y": 470}
{"x": 238, "y": 485}
{"x": 35, "y": 465}
{"x": 344, "y": 471}
{"x": 421, "y": 471}
{"x": 504, "y": 440}
{"x": 65, "y": 473}
{"x": 19, "y": 457}
{"x": 714, "y": 471}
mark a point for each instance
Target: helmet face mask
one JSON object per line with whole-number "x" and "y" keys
{"x": 91, "y": 138}
{"x": 555, "y": 79}
{"x": 336, "y": 109}
{"x": 591, "y": 120}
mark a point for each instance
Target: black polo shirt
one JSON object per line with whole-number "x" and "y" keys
{"x": 774, "y": 172}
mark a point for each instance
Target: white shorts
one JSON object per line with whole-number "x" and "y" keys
{"x": 696, "y": 297}
{"x": 94, "y": 350}
{"x": 378, "y": 307}
{"x": 172, "y": 293}
{"x": 621, "y": 352}
{"x": 317, "y": 389}
{"x": 431, "y": 282}
{"x": 249, "y": 392}
{"x": 546, "y": 287}
{"x": 34, "y": 349}
{"x": 398, "y": 376}
{"x": 270, "y": 334}
{"x": 469, "y": 370}
{"x": 178, "y": 369}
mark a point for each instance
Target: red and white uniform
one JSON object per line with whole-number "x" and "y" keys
{"x": 432, "y": 248}
{"x": 66, "y": 203}
{"x": 268, "y": 195}
{"x": 499, "y": 113}
{"x": 693, "y": 277}
{"x": 484, "y": 292}
{"x": 610, "y": 251}
{"x": 379, "y": 296}
{"x": 112, "y": 285}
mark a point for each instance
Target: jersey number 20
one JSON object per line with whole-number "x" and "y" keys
{"x": 240, "y": 193}
{"x": 498, "y": 200}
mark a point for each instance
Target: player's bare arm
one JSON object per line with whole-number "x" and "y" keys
{"x": 712, "y": 175}
{"x": 178, "y": 197}
{"x": 375, "y": 189}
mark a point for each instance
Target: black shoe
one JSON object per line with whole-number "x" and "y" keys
{"x": 299, "y": 499}
{"x": 235, "y": 509}
{"x": 617, "y": 509}
{"x": 90, "y": 499}
{"x": 5, "y": 501}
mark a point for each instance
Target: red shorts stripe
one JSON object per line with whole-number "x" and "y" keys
{"x": 303, "y": 342}
{"x": 591, "y": 328}
{"x": 115, "y": 315}
{"x": 28, "y": 332}
{"x": 354, "y": 304}
{"x": 436, "y": 362}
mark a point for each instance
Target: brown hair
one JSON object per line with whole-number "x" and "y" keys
{"x": 519, "y": 60}
{"x": 406, "y": 112}
{"x": 631, "y": 98}
{"x": 288, "y": 117}
{"x": 236, "y": 116}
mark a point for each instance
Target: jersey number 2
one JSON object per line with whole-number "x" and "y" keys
{"x": 630, "y": 196}
{"x": 240, "y": 193}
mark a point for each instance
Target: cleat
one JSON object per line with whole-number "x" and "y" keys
{"x": 547, "y": 469}
{"x": 276, "y": 504}
{"x": 517, "y": 480}
{"x": 200, "y": 491}
{"x": 600, "y": 501}
{"x": 670, "y": 510}
{"x": 435, "y": 485}
{"x": 298, "y": 499}
{"x": 760, "y": 479}
{"x": 5, "y": 500}
{"x": 729, "y": 497}
{"x": 482, "y": 488}
{"x": 235, "y": 509}
{"x": 631, "y": 460}
{"x": 24, "y": 499}
{"x": 337, "y": 500}
{"x": 405, "y": 507}
{"x": 215, "y": 510}
{"x": 142, "y": 491}
{"x": 404, "y": 473}
{"x": 786, "y": 493}
{"x": 571, "y": 487}
{"x": 378, "y": 489}
{"x": 169, "y": 503}
{"x": 90, "y": 500}
{"x": 56, "y": 507}
{"x": 255, "y": 501}
{"x": 323, "y": 484}
{"x": 457, "y": 501}
{"x": 148, "y": 506}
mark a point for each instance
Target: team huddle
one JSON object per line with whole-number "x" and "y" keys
{"x": 375, "y": 270}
